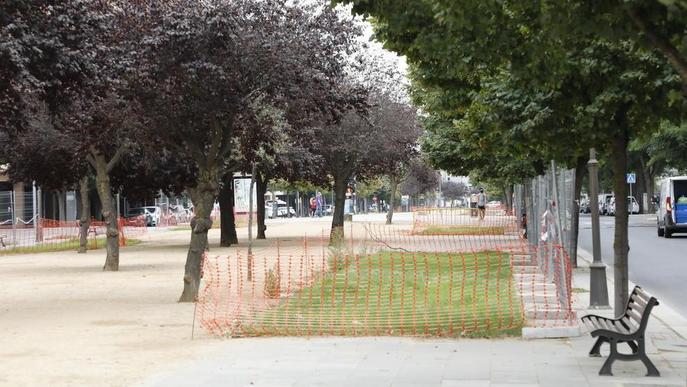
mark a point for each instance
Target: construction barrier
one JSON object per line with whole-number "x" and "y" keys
{"x": 463, "y": 220}
{"x": 391, "y": 280}
{"x": 52, "y": 235}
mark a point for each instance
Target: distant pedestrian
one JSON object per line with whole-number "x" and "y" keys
{"x": 313, "y": 206}
{"x": 319, "y": 203}
{"x": 523, "y": 225}
{"x": 482, "y": 203}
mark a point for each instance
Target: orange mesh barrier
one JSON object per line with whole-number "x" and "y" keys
{"x": 468, "y": 221}
{"x": 386, "y": 280}
{"x": 53, "y": 235}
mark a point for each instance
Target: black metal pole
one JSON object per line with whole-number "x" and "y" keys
{"x": 598, "y": 296}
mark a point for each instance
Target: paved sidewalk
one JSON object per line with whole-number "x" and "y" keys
{"x": 392, "y": 361}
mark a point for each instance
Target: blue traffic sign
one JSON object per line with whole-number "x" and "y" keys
{"x": 631, "y": 178}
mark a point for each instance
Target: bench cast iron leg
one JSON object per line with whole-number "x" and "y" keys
{"x": 595, "y": 352}
{"x": 650, "y": 367}
{"x": 606, "y": 368}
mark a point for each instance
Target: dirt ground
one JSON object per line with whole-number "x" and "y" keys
{"x": 65, "y": 322}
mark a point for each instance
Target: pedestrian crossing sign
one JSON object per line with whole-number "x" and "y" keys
{"x": 631, "y": 178}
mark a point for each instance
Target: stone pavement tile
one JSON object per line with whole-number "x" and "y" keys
{"x": 267, "y": 384}
{"x": 674, "y": 356}
{"x": 514, "y": 385}
{"x": 648, "y": 384}
{"x": 564, "y": 383}
{"x": 388, "y": 364}
{"x": 337, "y": 379}
{"x": 624, "y": 379}
{"x": 513, "y": 377}
{"x": 465, "y": 383}
{"x": 502, "y": 364}
{"x": 476, "y": 369}
{"x": 420, "y": 375}
{"x": 570, "y": 373}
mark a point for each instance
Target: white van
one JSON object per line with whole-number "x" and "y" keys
{"x": 152, "y": 214}
{"x": 672, "y": 210}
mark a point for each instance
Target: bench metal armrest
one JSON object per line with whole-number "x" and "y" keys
{"x": 611, "y": 334}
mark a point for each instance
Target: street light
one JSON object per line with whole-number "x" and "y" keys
{"x": 598, "y": 297}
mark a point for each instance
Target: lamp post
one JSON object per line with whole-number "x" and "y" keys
{"x": 598, "y": 297}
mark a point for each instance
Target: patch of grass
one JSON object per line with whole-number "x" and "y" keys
{"x": 437, "y": 294}
{"x": 463, "y": 230}
{"x": 69, "y": 244}
{"x": 580, "y": 290}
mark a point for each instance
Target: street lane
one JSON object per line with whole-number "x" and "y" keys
{"x": 657, "y": 264}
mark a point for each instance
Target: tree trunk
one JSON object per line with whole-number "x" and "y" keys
{"x": 648, "y": 182}
{"x": 226, "y": 210}
{"x": 102, "y": 182}
{"x": 393, "y": 183}
{"x": 508, "y": 198}
{"x": 85, "y": 219}
{"x": 620, "y": 244}
{"x": 336, "y": 235}
{"x": 261, "y": 187}
{"x": 203, "y": 197}
{"x": 580, "y": 168}
{"x": 61, "y": 203}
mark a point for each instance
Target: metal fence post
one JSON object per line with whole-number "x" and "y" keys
{"x": 34, "y": 207}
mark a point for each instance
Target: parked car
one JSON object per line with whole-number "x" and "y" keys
{"x": 282, "y": 209}
{"x": 632, "y": 205}
{"x": 493, "y": 204}
{"x": 329, "y": 209}
{"x": 672, "y": 211}
{"x": 150, "y": 213}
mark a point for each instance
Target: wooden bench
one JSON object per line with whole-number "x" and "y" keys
{"x": 629, "y": 329}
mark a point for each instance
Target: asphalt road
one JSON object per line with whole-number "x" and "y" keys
{"x": 657, "y": 264}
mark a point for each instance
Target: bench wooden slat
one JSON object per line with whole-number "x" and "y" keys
{"x": 620, "y": 328}
{"x": 642, "y": 295}
{"x": 635, "y": 316}
{"x": 640, "y": 301}
{"x": 589, "y": 324}
{"x": 605, "y": 324}
{"x": 636, "y": 306}
{"x": 630, "y": 323}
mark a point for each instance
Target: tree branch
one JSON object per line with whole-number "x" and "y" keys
{"x": 661, "y": 43}
{"x": 90, "y": 160}
{"x": 115, "y": 159}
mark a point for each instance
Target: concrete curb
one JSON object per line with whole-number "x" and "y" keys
{"x": 664, "y": 313}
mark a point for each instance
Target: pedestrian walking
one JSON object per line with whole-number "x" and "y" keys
{"x": 313, "y": 206}
{"x": 481, "y": 203}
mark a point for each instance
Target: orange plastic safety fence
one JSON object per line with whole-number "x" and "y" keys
{"x": 383, "y": 293}
{"x": 386, "y": 280}
{"x": 467, "y": 221}
{"x": 50, "y": 234}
